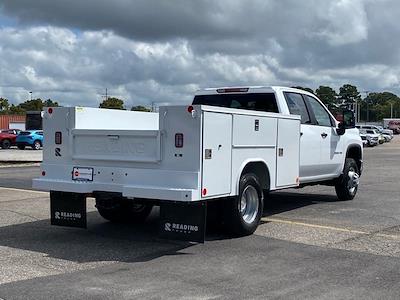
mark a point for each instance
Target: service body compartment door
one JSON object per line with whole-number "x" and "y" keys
{"x": 217, "y": 153}
{"x": 288, "y": 153}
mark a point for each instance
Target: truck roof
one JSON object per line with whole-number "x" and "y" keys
{"x": 247, "y": 89}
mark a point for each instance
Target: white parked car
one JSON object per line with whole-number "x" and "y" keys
{"x": 380, "y": 129}
{"x": 369, "y": 140}
{"x": 374, "y": 135}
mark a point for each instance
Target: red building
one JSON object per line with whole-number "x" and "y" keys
{"x": 12, "y": 122}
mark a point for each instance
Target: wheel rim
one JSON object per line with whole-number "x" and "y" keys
{"x": 248, "y": 204}
{"x": 37, "y": 146}
{"x": 6, "y": 144}
{"x": 353, "y": 181}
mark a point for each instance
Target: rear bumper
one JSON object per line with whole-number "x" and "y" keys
{"x": 147, "y": 192}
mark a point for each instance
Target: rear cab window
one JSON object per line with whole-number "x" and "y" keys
{"x": 249, "y": 101}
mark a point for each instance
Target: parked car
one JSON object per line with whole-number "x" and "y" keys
{"x": 364, "y": 140}
{"x": 387, "y": 137}
{"x": 380, "y": 129}
{"x": 32, "y": 138}
{"x": 11, "y": 131}
{"x": 369, "y": 140}
{"x": 8, "y": 137}
{"x": 371, "y": 137}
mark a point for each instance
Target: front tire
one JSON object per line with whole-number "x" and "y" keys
{"x": 347, "y": 184}
{"x": 36, "y": 145}
{"x": 245, "y": 210}
{"x": 122, "y": 210}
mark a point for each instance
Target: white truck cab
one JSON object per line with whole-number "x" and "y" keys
{"x": 231, "y": 146}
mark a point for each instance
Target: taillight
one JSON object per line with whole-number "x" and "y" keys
{"x": 179, "y": 140}
{"x": 50, "y": 110}
{"x": 58, "y": 138}
{"x": 190, "y": 109}
{"x": 233, "y": 90}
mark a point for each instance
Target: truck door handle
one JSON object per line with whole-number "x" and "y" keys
{"x": 324, "y": 135}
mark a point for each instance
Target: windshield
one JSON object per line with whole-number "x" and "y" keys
{"x": 256, "y": 101}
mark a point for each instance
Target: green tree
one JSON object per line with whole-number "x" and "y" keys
{"x": 377, "y": 106}
{"x": 32, "y": 105}
{"x": 348, "y": 94}
{"x": 4, "y": 104}
{"x": 307, "y": 89}
{"x": 50, "y": 103}
{"x": 140, "y": 108}
{"x": 112, "y": 103}
{"x": 15, "y": 110}
{"x": 327, "y": 95}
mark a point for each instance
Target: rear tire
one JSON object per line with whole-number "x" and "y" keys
{"x": 21, "y": 147}
{"x": 347, "y": 184}
{"x": 122, "y": 210}
{"x": 6, "y": 144}
{"x": 245, "y": 210}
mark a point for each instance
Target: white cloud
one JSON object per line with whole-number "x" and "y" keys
{"x": 345, "y": 22}
{"x": 63, "y": 51}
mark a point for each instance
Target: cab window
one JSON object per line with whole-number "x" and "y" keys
{"x": 297, "y": 106}
{"x": 251, "y": 101}
{"x": 321, "y": 115}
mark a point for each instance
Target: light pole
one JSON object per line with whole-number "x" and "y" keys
{"x": 31, "y": 94}
{"x": 391, "y": 110}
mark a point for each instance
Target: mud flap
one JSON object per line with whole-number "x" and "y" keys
{"x": 68, "y": 209}
{"x": 183, "y": 221}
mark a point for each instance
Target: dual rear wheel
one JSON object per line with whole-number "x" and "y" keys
{"x": 241, "y": 214}
{"x": 122, "y": 210}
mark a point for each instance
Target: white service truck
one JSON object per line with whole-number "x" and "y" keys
{"x": 231, "y": 146}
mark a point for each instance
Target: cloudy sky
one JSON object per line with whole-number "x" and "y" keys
{"x": 163, "y": 51}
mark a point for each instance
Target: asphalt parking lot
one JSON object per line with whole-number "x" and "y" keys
{"x": 14, "y": 155}
{"x": 309, "y": 245}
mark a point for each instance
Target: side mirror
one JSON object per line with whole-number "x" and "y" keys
{"x": 347, "y": 121}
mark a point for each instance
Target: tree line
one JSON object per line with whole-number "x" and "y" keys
{"x": 37, "y": 105}
{"x": 374, "y": 106}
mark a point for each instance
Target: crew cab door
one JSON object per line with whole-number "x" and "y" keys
{"x": 331, "y": 144}
{"x": 310, "y": 144}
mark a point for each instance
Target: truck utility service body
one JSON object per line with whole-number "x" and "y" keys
{"x": 277, "y": 137}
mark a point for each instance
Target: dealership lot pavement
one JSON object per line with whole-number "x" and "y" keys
{"x": 15, "y": 155}
{"x": 309, "y": 246}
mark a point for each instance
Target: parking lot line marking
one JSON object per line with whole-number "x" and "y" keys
{"x": 329, "y": 228}
{"x": 23, "y": 190}
{"x": 314, "y": 225}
